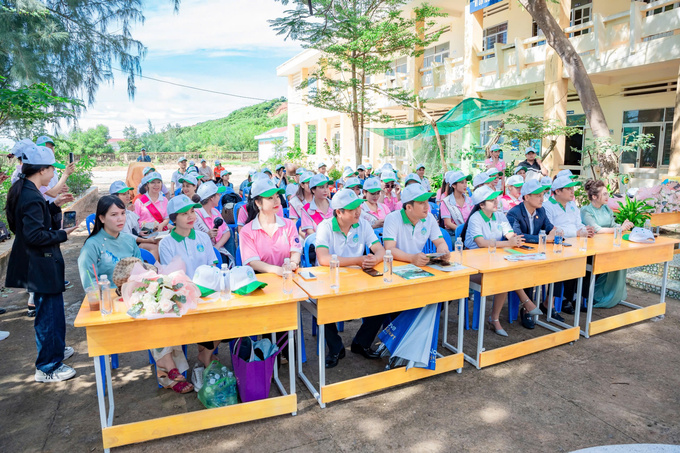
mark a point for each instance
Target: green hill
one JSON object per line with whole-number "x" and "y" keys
{"x": 233, "y": 133}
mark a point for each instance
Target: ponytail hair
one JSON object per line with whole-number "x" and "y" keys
{"x": 15, "y": 192}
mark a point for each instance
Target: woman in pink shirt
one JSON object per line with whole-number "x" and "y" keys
{"x": 390, "y": 193}
{"x": 267, "y": 239}
{"x": 499, "y": 164}
{"x": 456, "y": 205}
{"x": 372, "y": 210}
{"x": 209, "y": 195}
{"x": 151, "y": 206}
{"x": 513, "y": 193}
{"x": 301, "y": 197}
{"x": 314, "y": 212}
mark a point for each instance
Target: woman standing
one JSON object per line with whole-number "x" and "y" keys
{"x": 152, "y": 206}
{"x": 610, "y": 288}
{"x": 36, "y": 263}
{"x": 107, "y": 244}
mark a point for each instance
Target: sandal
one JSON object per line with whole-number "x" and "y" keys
{"x": 492, "y": 326}
{"x": 535, "y": 312}
{"x": 176, "y": 376}
{"x": 182, "y": 387}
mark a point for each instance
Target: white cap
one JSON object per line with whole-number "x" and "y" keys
{"x": 372, "y": 185}
{"x": 412, "y": 177}
{"x": 208, "y": 189}
{"x": 154, "y": 175}
{"x": 484, "y": 193}
{"x": 348, "y": 172}
{"x": 361, "y": 167}
{"x": 515, "y": 180}
{"x": 43, "y": 139}
{"x": 493, "y": 171}
{"x": 529, "y": 149}
{"x": 181, "y": 203}
{"x": 264, "y": 187}
{"x": 415, "y": 192}
{"x": 346, "y": 199}
{"x": 119, "y": 187}
{"x": 189, "y": 177}
{"x": 321, "y": 164}
{"x": 191, "y": 162}
{"x": 182, "y": 159}
{"x": 388, "y": 176}
{"x": 208, "y": 279}
{"x": 147, "y": 170}
{"x": 546, "y": 181}
{"x": 353, "y": 181}
{"x": 452, "y": 177}
{"x": 519, "y": 168}
{"x": 291, "y": 189}
{"x": 419, "y": 166}
{"x": 242, "y": 280}
{"x": 495, "y": 147}
{"x": 39, "y": 155}
{"x": 318, "y": 180}
{"x": 300, "y": 171}
{"x": 563, "y": 181}
{"x": 482, "y": 178}
{"x": 641, "y": 235}
{"x": 533, "y": 186}
{"x": 306, "y": 176}
{"x": 224, "y": 172}
{"x": 566, "y": 172}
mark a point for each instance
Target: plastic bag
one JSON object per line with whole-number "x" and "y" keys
{"x": 219, "y": 386}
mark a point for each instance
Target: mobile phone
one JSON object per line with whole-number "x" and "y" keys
{"x": 373, "y": 273}
{"x": 71, "y": 158}
{"x": 68, "y": 219}
{"x": 525, "y": 247}
{"x": 306, "y": 275}
{"x": 566, "y": 244}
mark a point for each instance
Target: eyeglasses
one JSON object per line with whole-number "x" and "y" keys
{"x": 389, "y": 186}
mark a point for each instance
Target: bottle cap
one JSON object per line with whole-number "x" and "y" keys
{"x": 334, "y": 257}
{"x": 388, "y": 252}
{"x": 286, "y": 260}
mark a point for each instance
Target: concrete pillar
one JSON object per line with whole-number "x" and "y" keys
{"x": 321, "y": 134}
{"x": 674, "y": 168}
{"x": 347, "y": 156}
{"x": 473, "y": 35}
{"x": 555, "y": 88}
{"x": 304, "y": 137}
{"x": 416, "y": 63}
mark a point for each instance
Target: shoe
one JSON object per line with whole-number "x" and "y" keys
{"x": 567, "y": 308}
{"x": 500, "y": 332}
{"x": 332, "y": 360}
{"x": 3, "y": 334}
{"x": 535, "y": 312}
{"x": 368, "y": 353}
{"x": 526, "y": 319}
{"x": 2, "y": 311}
{"x": 68, "y": 352}
{"x": 554, "y": 315}
{"x": 63, "y": 373}
{"x": 197, "y": 377}
{"x": 67, "y": 284}
{"x": 30, "y": 312}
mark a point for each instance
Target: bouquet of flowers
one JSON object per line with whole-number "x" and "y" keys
{"x": 664, "y": 198}
{"x": 153, "y": 295}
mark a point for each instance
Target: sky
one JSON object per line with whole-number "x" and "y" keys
{"x": 221, "y": 45}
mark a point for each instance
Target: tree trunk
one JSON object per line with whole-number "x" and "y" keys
{"x": 441, "y": 147}
{"x": 355, "y": 114}
{"x": 555, "y": 37}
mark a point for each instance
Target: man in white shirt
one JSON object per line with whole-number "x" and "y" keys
{"x": 347, "y": 235}
{"x": 174, "y": 181}
{"x": 420, "y": 171}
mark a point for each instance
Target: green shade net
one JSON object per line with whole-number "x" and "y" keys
{"x": 467, "y": 112}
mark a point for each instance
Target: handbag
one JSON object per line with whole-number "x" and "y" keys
{"x": 254, "y": 378}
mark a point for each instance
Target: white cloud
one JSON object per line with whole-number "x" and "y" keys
{"x": 213, "y": 25}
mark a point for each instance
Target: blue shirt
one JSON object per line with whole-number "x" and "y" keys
{"x": 104, "y": 251}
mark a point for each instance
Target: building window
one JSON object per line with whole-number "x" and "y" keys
{"x": 434, "y": 54}
{"x": 487, "y": 131}
{"x": 581, "y": 12}
{"x": 663, "y": 9}
{"x": 395, "y": 148}
{"x": 496, "y": 34}
{"x": 656, "y": 122}
{"x": 311, "y": 87}
{"x": 536, "y": 31}
{"x": 398, "y": 67}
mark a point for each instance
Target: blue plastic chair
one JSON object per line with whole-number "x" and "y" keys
{"x": 147, "y": 257}
{"x": 459, "y": 231}
{"x": 178, "y": 191}
{"x": 447, "y": 238}
{"x": 286, "y": 213}
{"x": 90, "y": 221}
{"x": 238, "y": 256}
{"x": 309, "y": 240}
{"x": 298, "y": 224}
{"x": 435, "y": 209}
{"x": 219, "y": 257}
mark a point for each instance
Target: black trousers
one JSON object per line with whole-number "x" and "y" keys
{"x": 364, "y": 337}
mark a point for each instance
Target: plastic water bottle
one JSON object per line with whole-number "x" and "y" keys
{"x": 542, "y": 241}
{"x": 335, "y": 272}
{"x": 618, "y": 235}
{"x": 583, "y": 240}
{"x": 387, "y": 267}
{"x": 105, "y": 295}
{"x": 458, "y": 247}
{"x": 559, "y": 237}
{"x": 287, "y": 277}
{"x": 225, "y": 286}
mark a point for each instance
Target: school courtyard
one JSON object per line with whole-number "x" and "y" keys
{"x": 621, "y": 387}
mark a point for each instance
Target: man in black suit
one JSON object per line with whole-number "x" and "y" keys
{"x": 528, "y": 219}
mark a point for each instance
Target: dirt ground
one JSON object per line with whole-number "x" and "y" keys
{"x": 620, "y": 387}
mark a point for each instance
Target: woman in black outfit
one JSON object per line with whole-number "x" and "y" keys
{"x": 36, "y": 263}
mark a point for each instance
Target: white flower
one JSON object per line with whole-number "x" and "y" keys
{"x": 167, "y": 294}
{"x": 153, "y": 287}
{"x": 148, "y": 299}
{"x": 166, "y": 305}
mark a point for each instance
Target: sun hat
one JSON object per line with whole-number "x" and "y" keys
{"x": 346, "y": 199}
{"x": 519, "y": 168}
{"x": 321, "y": 164}
{"x": 349, "y": 172}
{"x": 352, "y": 182}
{"x": 224, "y": 172}
{"x": 39, "y": 155}
{"x": 642, "y": 235}
{"x": 415, "y": 192}
{"x": 563, "y": 181}
{"x": 515, "y": 180}
{"x": 318, "y": 180}
{"x": 532, "y": 187}
{"x": 566, "y": 172}
{"x": 291, "y": 189}
{"x": 190, "y": 178}
{"x": 452, "y": 177}
{"x": 482, "y": 178}
{"x": 182, "y": 159}
{"x": 388, "y": 176}
{"x": 529, "y": 149}
{"x": 265, "y": 188}
{"x": 372, "y": 185}
{"x": 119, "y": 187}
{"x": 43, "y": 139}
{"x": 180, "y": 204}
{"x": 208, "y": 279}
{"x": 208, "y": 189}
{"x": 243, "y": 281}
{"x": 153, "y": 176}
{"x": 412, "y": 177}
{"x": 306, "y": 176}
{"x": 484, "y": 193}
